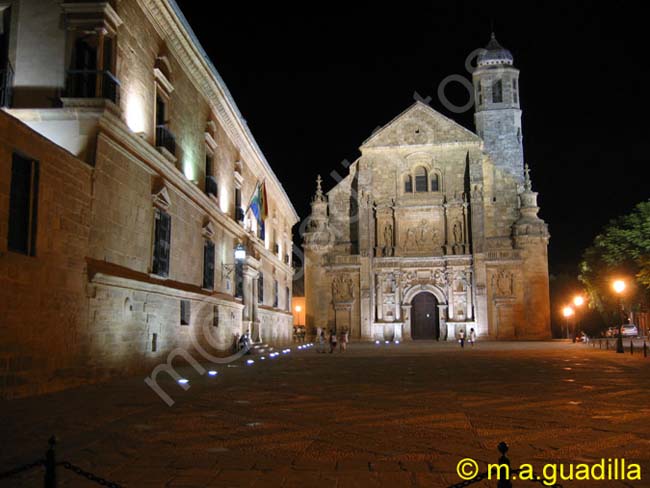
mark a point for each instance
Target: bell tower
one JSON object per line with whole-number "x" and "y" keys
{"x": 497, "y": 114}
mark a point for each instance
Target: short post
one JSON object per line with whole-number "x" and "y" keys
{"x": 645, "y": 350}
{"x": 503, "y": 460}
{"x": 50, "y": 464}
{"x": 607, "y": 345}
{"x": 600, "y": 344}
{"x": 631, "y": 346}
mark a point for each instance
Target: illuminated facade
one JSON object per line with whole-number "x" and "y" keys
{"x": 434, "y": 230}
{"x": 141, "y": 198}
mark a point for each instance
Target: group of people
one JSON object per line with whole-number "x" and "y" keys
{"x": 341, "y": 339}
{"x": 471, "y": 337}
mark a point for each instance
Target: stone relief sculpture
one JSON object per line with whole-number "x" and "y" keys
{"x": 410, "y": 242}
{"x": 503, "y": 283}
{"x": 342, "y": 288}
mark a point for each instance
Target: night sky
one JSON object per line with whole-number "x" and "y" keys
{"x": 314, "y": 83}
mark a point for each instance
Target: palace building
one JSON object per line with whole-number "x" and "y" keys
{"x": 435, "y": 228}
{"x": 126, "y": 170}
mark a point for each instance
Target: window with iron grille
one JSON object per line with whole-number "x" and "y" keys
{"x": 239, "y": 280}
{"x": 185, "y": 312}
{"x": 162, "y": 243}
{"x": 208, "y": 265}
{"x": 23, "y": 205}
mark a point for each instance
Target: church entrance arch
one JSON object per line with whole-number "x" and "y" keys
{"x": 424, "y": 317}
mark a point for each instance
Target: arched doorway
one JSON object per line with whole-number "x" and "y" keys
{"x": 424, "y": 317}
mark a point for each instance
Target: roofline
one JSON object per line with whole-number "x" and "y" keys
{"x": 230, "y": 101}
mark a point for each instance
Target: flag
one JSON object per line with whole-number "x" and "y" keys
{"x": 258, "y": 204}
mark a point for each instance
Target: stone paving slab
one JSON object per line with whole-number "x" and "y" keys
{"x": 375, "y": 416}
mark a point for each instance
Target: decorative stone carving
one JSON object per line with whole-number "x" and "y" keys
{"x": 342, "y": 288}
{"x": 503, "y": 283}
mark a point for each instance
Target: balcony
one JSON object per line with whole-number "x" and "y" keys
{"x": 165, "y": 139}
{"x": 92, "y": 84}
{"x": 6, "y": 85}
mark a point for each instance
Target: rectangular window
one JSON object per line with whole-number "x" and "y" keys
{"x": 23, "y": 205}
{"x": 239, "y": 213}
{"x": 435, "y": 183}
{"x": 154, "y": 342}
{"x": 276, "y": 291}
{"x": 208, "y": 265}
{"x": 162, "y": 243}
{"x": 210, "y": 179}
{"x": 261, "y": 232}
{"x": 288, "y": 298}
{"x": 515, "y": 96}
{"x": 185, "y": 312}
{"x": 215, "y": 316}
{"x": 260, "y": 288}
{"x": 479, "y": 93}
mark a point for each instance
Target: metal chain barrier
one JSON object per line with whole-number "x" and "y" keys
{"x": 50, "y": 465}
{"x": 90, "y": 476}
{"x": 21, "y": 469}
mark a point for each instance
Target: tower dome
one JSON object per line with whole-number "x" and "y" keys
{"x": 494, "y": 53}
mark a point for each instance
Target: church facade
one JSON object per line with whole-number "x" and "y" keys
{"x": 435, "y": 229}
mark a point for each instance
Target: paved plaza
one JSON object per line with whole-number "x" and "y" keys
{"x": 378, "y": 415}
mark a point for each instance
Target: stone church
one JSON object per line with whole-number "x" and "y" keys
{"x": 435, "y": 228}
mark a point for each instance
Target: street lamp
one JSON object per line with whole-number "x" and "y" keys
{"x": 619, "y": 288}
{"x": 567, "y": 312}
{"x": 578, "y": 301}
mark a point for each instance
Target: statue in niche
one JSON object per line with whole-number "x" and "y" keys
{"x": 458, "y": 233}
{"x": 388, "y": 239}
{"x": 422, "y": 238}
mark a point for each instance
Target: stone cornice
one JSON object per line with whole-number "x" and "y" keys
{"x": 173, "y": 28}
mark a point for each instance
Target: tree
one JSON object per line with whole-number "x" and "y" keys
{"x": 623, "y": 249}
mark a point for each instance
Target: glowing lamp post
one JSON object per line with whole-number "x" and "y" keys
{"x": 567, "y": 312}
{"x": 619, "y": 288}
{"x": 578, "y": 301}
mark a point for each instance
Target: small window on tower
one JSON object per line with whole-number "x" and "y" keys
{"x": 515, "y": 96}
{"x": 479, "y": 93}
{"x": 435, "y": 182}
{"x": 408, "y": 184}
{"x": 497, "y": 92}
{"x": 420, "y": 179}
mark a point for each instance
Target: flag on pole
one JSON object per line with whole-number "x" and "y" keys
{"x": 258, "y": 204}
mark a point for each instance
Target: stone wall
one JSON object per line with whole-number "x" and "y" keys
{"x": 43, "y": 306}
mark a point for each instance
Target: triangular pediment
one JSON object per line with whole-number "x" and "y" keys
{"x": 419, "y": 125}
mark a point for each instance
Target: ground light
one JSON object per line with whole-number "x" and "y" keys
{"x": 249, "y": 362}
{"x": 377, "y": 342}
{"x": 212, "y": 373}
{"x": 183, "y": 381}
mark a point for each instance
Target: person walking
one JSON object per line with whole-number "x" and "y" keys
{"x": 332, "y": 341}
{"x": 472, "y": 336}
{"x": 461, "y": 338}
{"x": 321, "y": 341}
{"x": 344, "y": 341}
